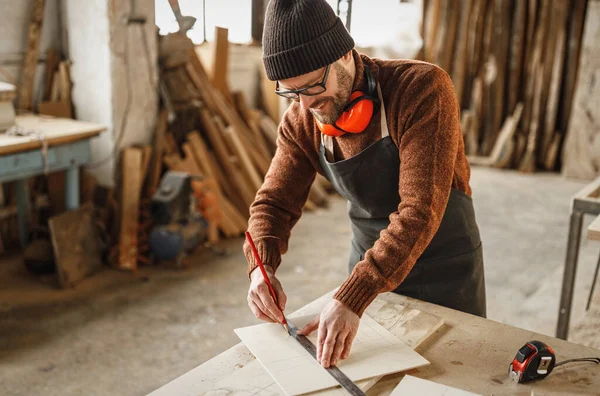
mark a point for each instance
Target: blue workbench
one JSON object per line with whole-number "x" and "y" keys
{"x": 22, "y": 157}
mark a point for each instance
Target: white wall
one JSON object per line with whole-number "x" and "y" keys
{"x": 88, "y": 46}
{"x": 114, "y": 75}
{"x": 14, "y": 27}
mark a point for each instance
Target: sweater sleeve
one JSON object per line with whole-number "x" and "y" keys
{"x": 428, "y": 142}
{"x": 278, "y": 204}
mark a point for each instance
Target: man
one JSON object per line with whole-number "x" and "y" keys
{"x": 405, "y": 175}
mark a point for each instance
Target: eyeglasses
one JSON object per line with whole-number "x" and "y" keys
{"x": 311, "y": 90}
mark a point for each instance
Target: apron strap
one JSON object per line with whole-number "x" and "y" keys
{"x": 384, "y": 128}
{"x": 327, "y": 141}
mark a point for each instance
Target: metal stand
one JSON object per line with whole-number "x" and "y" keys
{"x": 586, "y": 201}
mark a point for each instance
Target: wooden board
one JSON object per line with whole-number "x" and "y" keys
{"x": 581, "y": 153}
{"x": 220, "y": 59}
{"x": 56, "y": 131}
{"x": 55, "y": 109}
{"x": 77, "y": 244}
{"x": 375, "y": 351}
{"x": 130, "y": 204}
{"x": 157, "y": 153}
{"x": 593, "y": 231}
{"x": 414, "y": 386}
{"x": 31, "y": 57}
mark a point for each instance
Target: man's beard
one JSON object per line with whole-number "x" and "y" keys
{"x": 339, "y": 100}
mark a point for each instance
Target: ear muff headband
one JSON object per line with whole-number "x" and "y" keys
{"x": 357, "y": 113}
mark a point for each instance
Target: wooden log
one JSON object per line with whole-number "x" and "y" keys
{"x": 459, "y": 65}
{"x": 501, "y": 154}
{"x": 474, "y": 38}
{"x": 130, "y": 204}
{"x": 551, "y": 28}
{"x": 573, "y": 49}
{"x": 477, "y": 100}
{"x": 528, "y": 162}
{"x": 489, "y": 74}
{"x": 433, "y": 13}
{"x": 534, "y": 53}
{"x": 468, "y": 133}
{"x": 552, "y": 102}
{"x": 517, "y": 46}
{"x": 31, "y": 57}
{"x": 453, "y": 12}
{"x": 502, "y": 40}
{"x": 552, "y": 152}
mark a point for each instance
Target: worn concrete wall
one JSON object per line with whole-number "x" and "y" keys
{"x": 14, "y": 26}
{"x": 88, "y": 46}
{"x": 114, "y": 75}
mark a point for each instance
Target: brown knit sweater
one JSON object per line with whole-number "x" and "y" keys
{"x": 423, "y": 120}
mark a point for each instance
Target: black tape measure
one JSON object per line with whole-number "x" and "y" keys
{"x": 536, "y": 360}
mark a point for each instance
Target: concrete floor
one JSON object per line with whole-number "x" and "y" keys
{"x": 120, "y": 334}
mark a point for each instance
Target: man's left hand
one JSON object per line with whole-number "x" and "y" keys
{"x": 337, "y": 326}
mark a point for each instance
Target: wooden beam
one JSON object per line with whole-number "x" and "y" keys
{"x": 220, "y": 61}
{"x": 130, "y": 206}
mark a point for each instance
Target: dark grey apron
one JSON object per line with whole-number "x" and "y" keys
{"x": 450, "y": 270}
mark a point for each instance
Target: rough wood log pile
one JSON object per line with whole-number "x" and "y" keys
{"x": 513, "y": 64}
{"x": 215, "y": 134}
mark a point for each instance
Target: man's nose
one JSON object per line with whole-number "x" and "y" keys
{"x": 306, "y": 101}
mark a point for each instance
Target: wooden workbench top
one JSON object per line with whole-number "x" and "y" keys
{"x": 56, "y": 131}
{"x": 466, "y": 352}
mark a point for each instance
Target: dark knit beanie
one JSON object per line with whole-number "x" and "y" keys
{"x": 300, "y": 36}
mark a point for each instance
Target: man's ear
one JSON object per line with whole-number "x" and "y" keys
{"x": 347, "y": 57}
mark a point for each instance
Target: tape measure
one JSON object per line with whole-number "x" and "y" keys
{"x": 536, "y": 360}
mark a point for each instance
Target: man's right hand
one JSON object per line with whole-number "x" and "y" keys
{"x": 260, "y": 300}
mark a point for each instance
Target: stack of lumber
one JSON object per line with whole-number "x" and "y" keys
{"x": 215, "y": 134}
{"x": 204, "y": 130}
{"x": 514, "y": 66}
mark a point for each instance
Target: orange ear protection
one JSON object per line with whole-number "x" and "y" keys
{"x": 357, "y": 113}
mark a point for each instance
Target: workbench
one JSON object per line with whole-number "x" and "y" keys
{"x": 47, "y": 145}
{"x": 466, "y": 352}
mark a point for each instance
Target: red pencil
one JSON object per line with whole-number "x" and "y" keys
{"x": 262, "y": 269}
